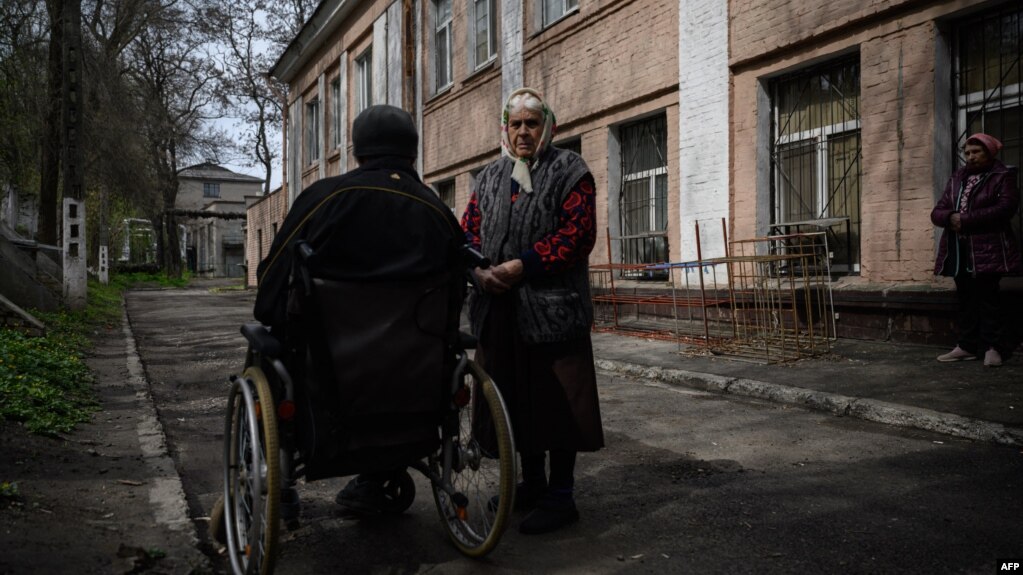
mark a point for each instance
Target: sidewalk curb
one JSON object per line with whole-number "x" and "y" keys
{"x": 842, "y": 405}
{"x": 166, "y": 494}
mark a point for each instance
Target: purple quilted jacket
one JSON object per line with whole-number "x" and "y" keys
{"x": 989, "y": 246}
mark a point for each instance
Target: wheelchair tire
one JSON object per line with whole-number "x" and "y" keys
{"x": 251, "y": 475}
{"x": 483, "y": 478}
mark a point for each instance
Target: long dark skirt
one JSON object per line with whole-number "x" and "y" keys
{"x": 550, "y": 389}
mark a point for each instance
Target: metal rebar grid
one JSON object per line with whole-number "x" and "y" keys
{"x": 774, "y": 306}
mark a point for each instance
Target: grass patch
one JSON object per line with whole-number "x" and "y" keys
{"x": 45, "y": 383}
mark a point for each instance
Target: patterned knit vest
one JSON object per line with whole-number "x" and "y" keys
{"x": 549, "y": 307}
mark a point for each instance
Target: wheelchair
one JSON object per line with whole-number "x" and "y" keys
{"x": 288, "y": 417}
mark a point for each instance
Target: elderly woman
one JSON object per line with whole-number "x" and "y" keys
{"x": 532, "y": 214}
{"x": 977, "y": 246}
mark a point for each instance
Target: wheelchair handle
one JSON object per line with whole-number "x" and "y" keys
{"x": 474, "y": 259}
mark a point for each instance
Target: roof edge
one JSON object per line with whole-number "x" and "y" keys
{"x": 327, "y": 18}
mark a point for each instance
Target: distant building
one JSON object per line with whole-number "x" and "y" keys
{"x": 212, "y": 199}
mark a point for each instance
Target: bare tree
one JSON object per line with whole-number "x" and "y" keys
{"x": 23, "y": 59}
{"x": 174, "y": 77}
{"x": 253, "y": 35}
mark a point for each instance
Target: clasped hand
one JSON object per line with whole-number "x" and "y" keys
{"x": 956, "y": 222}
{"x": 499, "y": 279}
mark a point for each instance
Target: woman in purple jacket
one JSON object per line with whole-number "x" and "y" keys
{"x": 977, "y": 246}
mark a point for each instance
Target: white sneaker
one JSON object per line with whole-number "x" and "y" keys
{"x": 992, "y": 358}
{"x": 959, "y": 354}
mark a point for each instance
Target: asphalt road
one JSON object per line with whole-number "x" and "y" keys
{"x": 690, "y": 481}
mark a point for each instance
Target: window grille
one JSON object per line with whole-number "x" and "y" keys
{"x": 815, "y": 156}
{"x": 446, "y": 192}
{"x": 988, "y": 85}
{"x": 643, "y": 203}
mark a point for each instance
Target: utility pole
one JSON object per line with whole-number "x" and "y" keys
{"x": 73, "y": 214}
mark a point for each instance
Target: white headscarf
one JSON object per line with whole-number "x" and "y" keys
{"x": 531, "y": 100}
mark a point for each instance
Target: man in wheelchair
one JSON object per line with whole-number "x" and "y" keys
{"x": 362, "y": 286}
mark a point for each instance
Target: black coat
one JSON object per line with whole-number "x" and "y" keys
{"x": 375, "y": 223}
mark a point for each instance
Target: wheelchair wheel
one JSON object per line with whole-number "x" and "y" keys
{"x": 399, "y": 492}
{"x": 251, "y": 475}
{"x": 479, "y": 466}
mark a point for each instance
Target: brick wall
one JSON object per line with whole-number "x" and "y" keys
{"x": 897, "y": 47}
{"x": 607, "y": 64}
{"x": 262, "y": 215}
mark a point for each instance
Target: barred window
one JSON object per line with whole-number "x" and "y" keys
{"x": 446, "y": 192}
{"x": 988, "y": 84}
{"x": 815, "y": 156}
{"x": 643, "y": 204}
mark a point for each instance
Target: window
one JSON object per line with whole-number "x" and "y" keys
{"x": 335, "y": 98}
{"x": 573, "y": 145}
{"x": 643, "y": 204}
{"x": 988, "y": 80}
{"x": 554, "y": 10}
{"x": 482, "y": 32}
{"x": 988, "y": 84}
{"x": 312, "y": 131}
{"x": 442, "y": 44}
{"x": 815, "y": 157}
{"x": 446, "y": 191}
{"x": 364, "y": 81}
{"x": 210, "y": 190}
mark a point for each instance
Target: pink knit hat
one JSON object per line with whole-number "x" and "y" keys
{"x": 990, "y": 143}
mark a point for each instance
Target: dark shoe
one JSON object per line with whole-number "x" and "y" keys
{"x": 526, "y": 496}
{"x": 291, "y": 508}
{"x": 551, "y": 513}
{"x": 361, "y": 498}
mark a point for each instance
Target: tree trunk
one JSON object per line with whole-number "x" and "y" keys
{"x": 49, "y": 176}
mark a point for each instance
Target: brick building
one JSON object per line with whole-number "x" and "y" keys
{"x": 264, "y": 215}
{"x": 853, "y": 114}
{"x": 767, "y": 115}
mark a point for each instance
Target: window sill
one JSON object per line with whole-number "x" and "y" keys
{"x": 442, "y": 92}
{"x": 482, "y": 68}
{"x": 557, "y": 21}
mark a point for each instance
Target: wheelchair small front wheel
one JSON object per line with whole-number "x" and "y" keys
{"x": 399, "y": 492}
{"x": 251, "y": 475}
{"x": 477, "y": 468}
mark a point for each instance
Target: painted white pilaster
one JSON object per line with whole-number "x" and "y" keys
{"x": 703, "y": 126}
{"x": 511, "y": 47}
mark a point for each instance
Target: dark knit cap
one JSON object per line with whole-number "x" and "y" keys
{"x": 384, "y": 130}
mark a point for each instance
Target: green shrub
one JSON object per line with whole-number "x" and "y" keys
{"x": 44, "y": 382}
